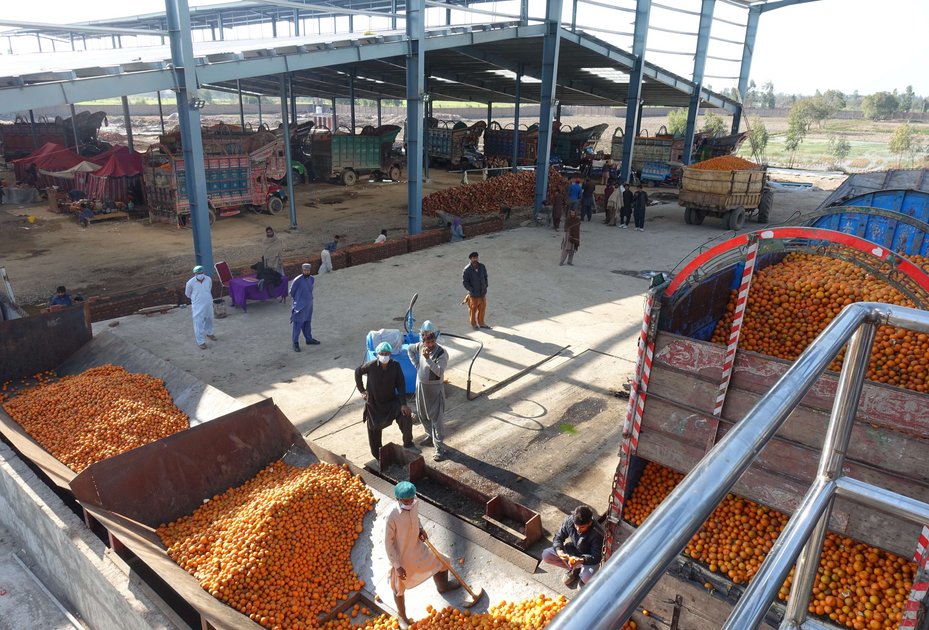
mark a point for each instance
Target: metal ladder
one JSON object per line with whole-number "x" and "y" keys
{"x": 624, "y": 581}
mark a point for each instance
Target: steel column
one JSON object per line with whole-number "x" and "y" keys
{"x": 378, "y": 112}
{"x": 238, "y": 89}
{"x": 222, "y": 28}
{"x": 633, "y": 105}
{"x": 490, "y": 112}
{"x": 393, "y": 14}
{"x": 524, "y": 12}
{"x": 297, "y": 23}
{"x": 287, "y": 157}
{"x": 574, "y": 17}
{"x": 128, "y": 120}
{"x": 351, "y": 96}
{"x": 519, "y": 81}
{"x": 703, "y": 41}
{"x": 71, "y": 37}
{"x": 551, "y": 46}
{"x": 273, "y": 27}
{"x": 415, "y": 78}
{"x": 293, "y": 98}
{"x": 260, "y": 114}
{"x": 748, "y": 49}
{"x": 161, "y": 113}
{"x": 35, "y": 135}
{"x": 77, "y": 140}
{"x": 188, "y": 117}
{"x": 427, "y": 106}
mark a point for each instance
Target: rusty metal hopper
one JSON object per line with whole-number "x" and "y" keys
{"x": 200, "y": 401}
{"x": 133, "y": 493}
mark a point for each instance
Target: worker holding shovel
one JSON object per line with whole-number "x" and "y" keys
{"x": 412, "y": 557}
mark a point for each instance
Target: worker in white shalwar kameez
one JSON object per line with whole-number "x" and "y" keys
{"x": 411, "y": 562}
{"x": 430, "y": 360}
{"x": 199, "y": 291}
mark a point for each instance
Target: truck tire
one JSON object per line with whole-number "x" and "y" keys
{"x": 275, "y": 204}
{"x": 394, "y": 173}
{"x": 692, "y": 216}
{"x": 736, "y": 219}
{"x": 765, "y": 206}
{"x": 349, "y": 177}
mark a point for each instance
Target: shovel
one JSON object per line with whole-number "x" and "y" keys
{"x": 474, "y": 596}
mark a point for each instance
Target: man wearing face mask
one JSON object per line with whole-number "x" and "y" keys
{"x": 385, "y": 398}
{"x": 411, "y": 562}
{"x": 301, "y": 290}
{"x": 199, "y": 290}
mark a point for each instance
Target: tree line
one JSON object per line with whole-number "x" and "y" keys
{"x": 876, "y": 106}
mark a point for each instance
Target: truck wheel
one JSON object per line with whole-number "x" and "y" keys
{"x": 736, "y": 219}
{"x": 692, "y": 216}
{"x": 349, "y": 177}
{"x": 274, "y": 205}
{"x": 765, "y": 206}
{"x": 394, "y": 173}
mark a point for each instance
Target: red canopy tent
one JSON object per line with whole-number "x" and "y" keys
{"x": 120, "y": 175}
{"x": 49, "y": 157}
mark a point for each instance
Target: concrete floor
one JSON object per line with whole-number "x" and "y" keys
{"x": 548, "y": 440}
{"x": 24, "y": 601}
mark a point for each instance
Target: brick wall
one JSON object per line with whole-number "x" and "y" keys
{"x": 396, "y": 247}
{"x": 484, "y": 226}
{"x": 108, "y": 307}
{"x": 429, "y": 238}
{"x": 361, "y": 254}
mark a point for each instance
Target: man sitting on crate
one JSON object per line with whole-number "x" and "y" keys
{"x": 577, "y": 547}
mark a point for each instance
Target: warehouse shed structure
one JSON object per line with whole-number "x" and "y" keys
{"x": 520, "y": 58}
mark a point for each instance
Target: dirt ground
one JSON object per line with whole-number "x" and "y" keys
{"x": 117, "y": 256}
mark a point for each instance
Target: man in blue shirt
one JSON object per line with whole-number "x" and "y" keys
{"x": 575, "y": 190}
{"x": 577, "y": 547}
{"x": 332, "y": 245}
{"x": 301, "y": 316}
{"x": 61, "y": 298}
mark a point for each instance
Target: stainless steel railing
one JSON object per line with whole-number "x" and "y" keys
{"x": 621, "y": 584}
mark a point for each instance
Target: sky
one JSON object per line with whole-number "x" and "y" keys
{"x": 827, "y": 44}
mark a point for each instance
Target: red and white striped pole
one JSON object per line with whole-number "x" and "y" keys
{"x": 631, "y": 426}
{"x": 920, "y": 583}
{"x": 748, "y": 271}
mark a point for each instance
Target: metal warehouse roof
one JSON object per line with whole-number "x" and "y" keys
{"x": 468, "y": 63}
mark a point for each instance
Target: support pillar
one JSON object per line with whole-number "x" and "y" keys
{"x": 71, "y": 37}
{"x": 77, "y": 140}
{"x": 519, "y": 79}
{"x": 287, "y": 157}
{"x": 551, "y": 46}
{"x": 524, "y": 12}
{"x": 273, "y": 27}
{"x": 379, "y": 112}
{"x": 182, "y": 55}
{"x": 35, "y": 135}
{"x": 161, "y": 113}
{"x": 748, "y": 49}
{"x": 128, "y": 120}
{"x": 703, "y": 41}
{"x": 633, "y": 104}
{"x": 415, "y": 78}
{"x": 238, "y": 88}
{"x": 296, "y": 25}
{"x": 393, "y": 12}
{"x": 293, "y": 99}
{"x": 490, "y": 112}
{"x": 351, "y": 96}
{"x": 222, "y": 28}
{"x": 574, "y": 17}
{"x": 335, "y": 121}
{"x": 260, "y": 114}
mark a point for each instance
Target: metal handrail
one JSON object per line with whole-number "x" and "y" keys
{"x": 624, "y": 581}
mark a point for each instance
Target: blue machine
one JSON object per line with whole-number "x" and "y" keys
{"x": 409, "y": 337}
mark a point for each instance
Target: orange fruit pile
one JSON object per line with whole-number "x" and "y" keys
{"x": 529, "y": 614}
{"x": 350, "y": 621}
{"x": 97, "y": 414}
{"x": 857, "y": 585}
{"x": 12, "y": 388}
{"x": 725, "y": 163}
{"x": 793, "y": 301}
{"x": 277, "y": 548}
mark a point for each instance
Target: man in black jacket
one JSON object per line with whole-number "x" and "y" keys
{"x": 626, "y": 212}
{"x": 577, "y": 547}
{"x": 474, "y": 279}
{"x": 385, "y": 398}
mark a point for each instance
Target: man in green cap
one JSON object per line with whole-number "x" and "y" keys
{"x": 199, "y": 290}
{"x": 411, "y": 562}
{"x": 385, "y": 398}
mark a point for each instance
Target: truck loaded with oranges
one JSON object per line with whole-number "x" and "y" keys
{"x": 716, "y": 338}
{"x": 728, "y": 187}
